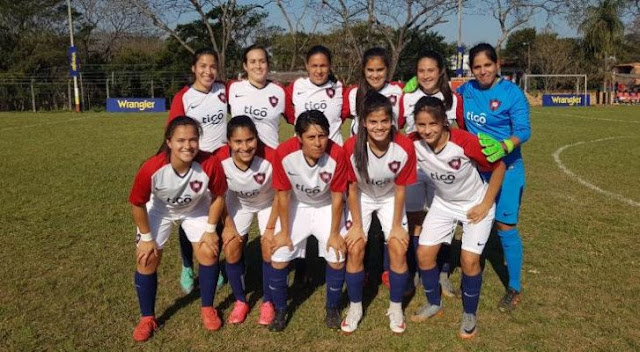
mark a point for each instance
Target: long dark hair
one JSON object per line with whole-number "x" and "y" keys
{"x": 363, "y": 86}
{"x": 241, "y": 121}
{"x": 171, "y": 128}
{"x": 321, "y": 49}
{"x": 311, "y": 117}
{"x": 373, "y": 101}
{"x": 485, "y": 48}
{"x": 246, "y": 51}
{"x": 443, "y": 79}
{"x": 434, "y": 107}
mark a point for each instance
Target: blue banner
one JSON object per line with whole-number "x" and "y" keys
{"x": 136, "y": 105}
{"x": 73, "y": 61}
{"x": 459, "y": 61}
{"x": 566, "y": 100}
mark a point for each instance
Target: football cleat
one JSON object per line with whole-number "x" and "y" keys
{"x": 187, "y": 278}
{"x": 396, "y": 320}
{"x": 509, "y": 301}
{"x": 468, "y": 328}
{"x": 145, "y": 328}
{"x": 332, "y": 320}
{"x": 385, "y": 279}
{"x": 350, "y": 322}
{"x": 239, "y": 313}
{"x": 267, "y": 313}
{"x": 426, "y": 312}
{"x": 279, "y": 321}
{"x": 210, "y": 318}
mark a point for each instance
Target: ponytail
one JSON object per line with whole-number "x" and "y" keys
{"x": 373, "y": 101}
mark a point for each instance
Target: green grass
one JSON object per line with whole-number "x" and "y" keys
{"x": 66, "y": 279}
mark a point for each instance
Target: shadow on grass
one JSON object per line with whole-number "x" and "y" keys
{"x": 494, "y": 254}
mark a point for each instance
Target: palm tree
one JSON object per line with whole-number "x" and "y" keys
{"x": 603, "y": 32}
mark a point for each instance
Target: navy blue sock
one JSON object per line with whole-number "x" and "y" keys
{"x": 208, "y": 279}
{"x": 266, "y": 274}
{"x": 235, "y": 274}
{"x": 278, "y": 287}
{"x": 431, "y": 282}
{"x": 355, "y": 282}
{"x": 186, "y": 249}
{"x": 471, "y": 292}
{"x": 385, "y": 258}
{"x": 146, "y": 287}
{"x": 335, "y": 280}
{"x": 411, "y": 255}
{"x": 512, "y": 247}
{"x": 398, "y": 284}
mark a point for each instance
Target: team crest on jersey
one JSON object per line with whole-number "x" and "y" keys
{"x": 195, "y": 185}
{"x": 325, "y": 176}
{"x": 331, "y": 92}
{"x": 222, "y": 97}
{"x": 259, "y": 177}
{"x": 494, "y": 104}
{"x": 393, "y": 99}
{"x": 273, "y": 100}
{"x": 394, "y": 166}
{"x": 455, "y": 163}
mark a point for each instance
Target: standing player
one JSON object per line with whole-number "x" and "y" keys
{"x": 177, "y": 184}
{"x": 374, "y": 77}
{"x": 310, "y": 175}
{"x": 383, "y": 163}
{"x": 248, "y": 166}
{"x": 452, "y": 157}
{"x": 320, "y": 91}
{"x": 431, "y": 80}
{"x": 260, "y": 99}
{"x": 498, "y": 111}
{"x": 206, "y": 102}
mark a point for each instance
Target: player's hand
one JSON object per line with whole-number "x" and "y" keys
{"x": 355, "y": 234}
{"x": 267, "y": 236}
{"x": 478, "y": 212}
{"x": 145, "y": 250}
{"x": 210, "y": 240}
{"x": 230, "y": 234}
{"x": 411, "y": 85}
{"x": 336, "y": 242}
{"x": 281, "y": 240}
{"x": 491, "y": 148}
{"x": 401, "y": 235}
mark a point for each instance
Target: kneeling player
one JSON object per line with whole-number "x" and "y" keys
{"x": 310, "y": 175}
{"x": 452, "y": 158}
{"x": 382, "y": 164}
{"x": 177, "y": 185}
{"x": 248, "y": 166}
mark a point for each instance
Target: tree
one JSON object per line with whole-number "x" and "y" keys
{"x": 519, "y": 47}
{"x": 417, "y": 42}
{"x": 603, "y": 31}
{"x": 295, "y": 26}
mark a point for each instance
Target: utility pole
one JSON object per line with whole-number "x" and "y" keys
{"x": 459, "y": 53}
{"x": 73, "y": 59}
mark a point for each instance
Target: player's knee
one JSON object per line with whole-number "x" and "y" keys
{"x": 426, "y": 259}
{"x": 470, "y": 263}
{"x": 279, "y": 265}
{"x": 336, "y": 265}
{"x": 206, "y": 256}
{"x": 233, "y": 252}
{"x": 150, "y": 267}
{"x": 356, "y": 252}
{"x": 505, "y": 227}
{"x": 396, "y": 250}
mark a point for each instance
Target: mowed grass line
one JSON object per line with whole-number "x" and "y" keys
{"x": 68, "y": 249}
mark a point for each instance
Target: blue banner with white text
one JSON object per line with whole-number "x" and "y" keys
{"x": 566, "y": 100}
{"x": 136, "y": 105}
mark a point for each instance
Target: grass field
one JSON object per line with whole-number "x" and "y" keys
{"x": 66, "y": 278}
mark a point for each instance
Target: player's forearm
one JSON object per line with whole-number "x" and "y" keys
{"x": 354, "y": 204}
{"x": 273, "y": 216}
{"x": 398, "y": 205}
{"x": 141, "y": 218}
{"x": 336, "y": 212}
{"x": 495, "y": 183}
{"x": 283, "y": 210}
{"x": 215, "y": 210}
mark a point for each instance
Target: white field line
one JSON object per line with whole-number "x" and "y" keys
{"x": 42, "y": 124}
{"x": 582, "y": 117}
{"x": 556, "y": 157}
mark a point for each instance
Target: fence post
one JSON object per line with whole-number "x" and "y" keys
{"x": 33, "y": 97}
{"x": 152, "y": 88}
{"x": 82, "y": 94}
{"x": 108, "y": 88}
{"x": 69, "y": 93}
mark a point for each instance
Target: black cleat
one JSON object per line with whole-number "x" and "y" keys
{"x": 279, "y": 322}
{"x": 509, "y": 301}
{"x": 333, "y": 319}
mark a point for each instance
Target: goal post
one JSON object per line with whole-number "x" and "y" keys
{"x": 558, "y": 89}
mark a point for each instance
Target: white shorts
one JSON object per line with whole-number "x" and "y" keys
{"x": 384, "y": 208}
{"x": 242, "y": 217}
{"x": 307, "y": 221}
{"x": 193, "y": 223}
{"x": 419, "y": 195}
{"x": 441, "y": 220}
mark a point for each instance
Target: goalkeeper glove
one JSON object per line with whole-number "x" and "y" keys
{"x": 411, "y": 85}
{"x": 493, "y": 149}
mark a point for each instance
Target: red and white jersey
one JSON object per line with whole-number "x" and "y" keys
{"x": 396, "y": 167}
{"x": 263, "y": 105}
{"x": 391, "y": 90}
{"x": 310, "y": 185}
{"x": 454, "y": 170}
{"x": 253, "y": 186}
{"x": 303, "y": 95}
{"x": 158, "y": 184}
{"x": 209, "y": 109}
{"x": 410, "y": 100}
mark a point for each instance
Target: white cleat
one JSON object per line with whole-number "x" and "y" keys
{"x": 351, "y": 321}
